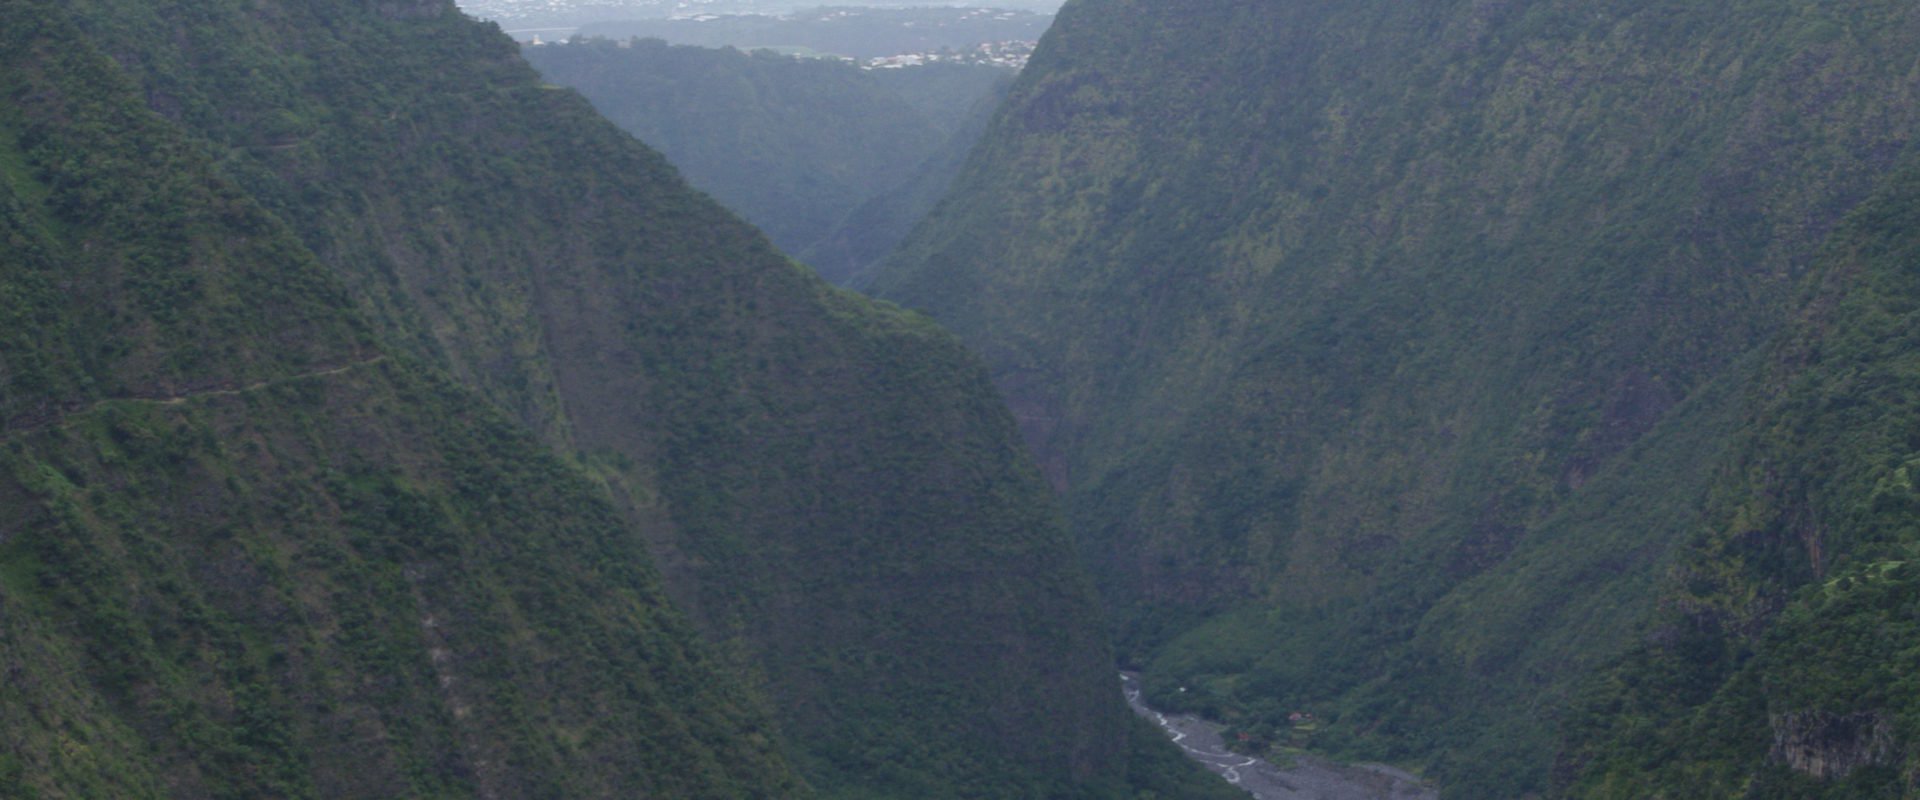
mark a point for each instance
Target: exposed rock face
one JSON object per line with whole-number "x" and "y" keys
{"x": 1829, "y": 746}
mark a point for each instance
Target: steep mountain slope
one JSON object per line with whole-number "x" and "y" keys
{"x": 1782, "y": 662}
{"x": 831, "y": 490}
{"x": 1381, "y": 348}
{"x": 854, "y": 248}
{"x": 245, "y": 551}
{"x": 794, "y": 145}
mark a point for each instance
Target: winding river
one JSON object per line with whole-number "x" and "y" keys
{"x": 1308, "y": 779}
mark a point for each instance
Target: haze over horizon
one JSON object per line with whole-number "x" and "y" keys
{"x": 515, "y": 14}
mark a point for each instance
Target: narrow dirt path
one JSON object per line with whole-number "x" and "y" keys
{"x": 59, "y": 417}
{"x": 251, "y": 387}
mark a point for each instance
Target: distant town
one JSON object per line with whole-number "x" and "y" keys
{"x": 874, "y": 38}
{"x": 1012, "y": 54}
{"x": 1009, "y": 54}
{"x": 522, "y": 14}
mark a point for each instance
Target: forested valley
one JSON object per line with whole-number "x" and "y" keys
{"x": 1517, "y": 399}
{"x": 1517, "y": 389}
{"x": 380, "y": 421}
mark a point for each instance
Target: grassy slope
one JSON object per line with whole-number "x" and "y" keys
{"x": 829, "y": 485}
{"x": 246, "y": 552}
{"x": 1340, "y": 323}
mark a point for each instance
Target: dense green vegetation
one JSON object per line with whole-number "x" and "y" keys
{"x": 1525, "y": 391}
{"x": 794, "y": 145}
{"x": 1782, "y": 664}
{"x": 247, "y": 552}
{"x": 1386, "y": 353}
{"x": 353, "y": 380}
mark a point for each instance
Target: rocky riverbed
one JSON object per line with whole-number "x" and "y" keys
{"x": 1307, "y": 778}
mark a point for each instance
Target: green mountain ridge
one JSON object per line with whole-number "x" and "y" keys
{"x": 245, "y": 553}
{"x": 1523, "y": 390}
{"x": 853, "y": 250}
{"x": 1386, "y": 355}
{"x": 354, "y": 383}
{"x": 1780, "y": 663}
{"x": 796, "y": 146}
